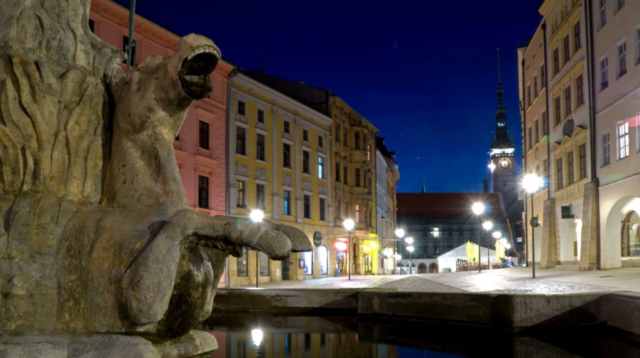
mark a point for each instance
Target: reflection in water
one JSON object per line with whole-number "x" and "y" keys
{"x": 254, "y": 336}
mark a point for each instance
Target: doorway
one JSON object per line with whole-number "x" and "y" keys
{"x": 285, "y": 269}
{"x": 630, "y": 238}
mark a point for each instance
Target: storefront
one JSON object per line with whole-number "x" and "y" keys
{"x": 370, "y": 257}
{"x": 341, "y": 245}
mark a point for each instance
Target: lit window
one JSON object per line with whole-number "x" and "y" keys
{"x": 287, "y": 203}
{"x": 321, "y": 167}
{"x": 622, "y": 59}
{"x": 623, "y": 140}
{"x": 357, "y": 213}
{"x": 240, "y": 194}
{"x": 307, "y": 256}
{"x": 436, "y": 232}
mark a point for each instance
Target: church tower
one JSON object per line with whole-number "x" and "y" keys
{"x": 502, "y": 157}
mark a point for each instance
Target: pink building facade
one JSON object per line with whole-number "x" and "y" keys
{"x": 201, "y": 144}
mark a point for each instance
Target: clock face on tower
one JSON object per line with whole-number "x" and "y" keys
{"x": 504, "y": 163}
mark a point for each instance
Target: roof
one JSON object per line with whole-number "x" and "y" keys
{"x": 447, "y": 205}
{"x": 461, "y": 252}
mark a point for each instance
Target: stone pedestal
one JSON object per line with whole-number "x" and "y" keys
{"x": 194, "y": 343}
{"x": 549, "y": 254}
{"x": 588, "y": 245}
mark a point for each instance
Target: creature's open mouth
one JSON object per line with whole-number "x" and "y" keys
{"x": 195, "y": 70}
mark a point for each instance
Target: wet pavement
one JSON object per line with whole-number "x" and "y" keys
{"x": 515, "y": 280}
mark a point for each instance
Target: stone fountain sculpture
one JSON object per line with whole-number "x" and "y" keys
{"x": 96, "y": 237}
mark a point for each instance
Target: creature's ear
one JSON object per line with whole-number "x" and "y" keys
{"x": 150, "y": 61}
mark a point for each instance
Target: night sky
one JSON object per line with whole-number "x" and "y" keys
{"x": 423, "y": 72}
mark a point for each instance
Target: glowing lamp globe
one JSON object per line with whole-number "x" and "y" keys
{"x": 409, "y": 240}
{"x": 497, "y": 234}
{"x": 531, "y": 183}
{"x": 487, "y": 225}
{"x": 373, "y": 245}
{"x": 400, "y": 233}
{"x": 256, "y": 336}
{"x": 410, "y": 248}
{"x": 477, "y": 208}
{"x": 256, "y": 216}
{"x": 348, "y": 224}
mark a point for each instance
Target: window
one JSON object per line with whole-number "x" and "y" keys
{"x": 307, "y": 257}
{"x": 537, "y": 132}
{"x": 305, "y": 162}
{"x": 618, "y": 6}
{"x": 566, "y": 54}
{"x": 567, "y": 101}
{"x": 345, "y": 138}
{"x": 556, "y": 108}
{"x": 603, "y": 13}
{"x": 357, "y": 140}
{"x": 576, "y": 37}
{"x": 535, "y": 87}
{"x": 241, "y": 135}
{"x": 260, "y": 199}
{"x": 357, "y": 213}
{"x": 580, "y": 93}
{"x": 604, "y": 73}
{"x": 357, "y": 177}
{"x": 240, "y": 194}
{"x": 622, "y": 59}
{"x": 242, "y": 108}
{"x": 320, "y": 141}
{"x": 545, "y": 168}
{"x": 337, "y": 173}
{"x": 338, "y": 206}
{"x": 203, "y": 192}
{"x": 606, "y": 150}
{"x": 305, "y": 135}
{"x": 307, "y": 206}
{"x": 570, "y": 168}
{"x": 545, "y": 124}
{"x": 530, "y": 139}
{"x": 623, "y": 140}
{"x": 260, "y": 147}
{"x": 368, "y": 151}
{"x": 287, "y": 203}
{"x": 337, "y": 132}
{"x": 323, "y": 214}
{"x": 369, "y": 186}
{"x": 286, "y": 155}
{"x": 320, "y": 167}
{"x": 543, "y": 77}
{"x": 260, "y": 116}
{"x": 242, "y": 263}
{"x": 264, "y": 264}
{"x": 323, "y": 259}
{"x": 528, "y": 96}
{"x": 134, "y": 50}
{"x": 345, "y": 175}
{"x": 559, "y": 173}
{"x": 556, "y": 61}
{"x": 583, "y": 161}
{"x": 92, "y": 25}
{"x": 203, "y": 135}
{"x": 287, "y": 127}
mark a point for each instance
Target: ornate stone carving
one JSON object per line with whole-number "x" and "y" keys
{"x": 322, "y": 190}
{"x": 287, "y": 180}
{"x": 321, "y": 150}
{"x": 98, "y": 235}
{"x": 287, "y": 136}
{"x": 261, "y": 174}
{"x": 261, "y": 126}
{"x": 307, "y": 186}
{"x": 242, "y": 170}
{"x": 241, "y": 118}
{"x": 306, "y": 144}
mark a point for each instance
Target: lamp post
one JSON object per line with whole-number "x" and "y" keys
{"x": 478, "y": 209}
{"x": 496, "y": 235}
{"x": 399, "y": 234}
{"x": 487, "y": 225}
{"x": 531, "y": 184}
{"x": 409, "y": 242}
{"x": 257, "y": 216}
{"x": 348, "y": 225}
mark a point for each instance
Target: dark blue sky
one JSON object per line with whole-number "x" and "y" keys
{"x": 423, "y": 72}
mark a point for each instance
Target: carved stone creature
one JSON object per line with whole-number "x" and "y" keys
{"x": 97, "y": 235}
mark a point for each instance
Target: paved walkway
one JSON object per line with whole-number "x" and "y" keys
{"x": 512, "y": 280}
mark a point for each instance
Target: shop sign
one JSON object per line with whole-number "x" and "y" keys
{"x": 317, "y": 238}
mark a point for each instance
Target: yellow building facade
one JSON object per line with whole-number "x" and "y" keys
{"x": 279, "y": 162}
{"x": 353, "y": 150}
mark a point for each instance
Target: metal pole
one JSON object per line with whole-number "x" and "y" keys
{"x": 479, "y": 249}
{"x": 488, "y": 257}
{"x": 349, "y": 256}
{"x": 533, "y": 241}
{"x": 257, "y": 267}
{"x": 410, "y": 263}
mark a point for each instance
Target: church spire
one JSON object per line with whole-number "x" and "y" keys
{"x": 423, "y": 187}
{"x": 501, "y": 139}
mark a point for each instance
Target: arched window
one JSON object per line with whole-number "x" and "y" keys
{"x": 433, "y": 268}
{"x": 630, "y": 236}
{"x": 422, "y": 268}
{"x": 323, "y": 259}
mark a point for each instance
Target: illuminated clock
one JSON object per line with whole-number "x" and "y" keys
{"x": 504, "y": 163}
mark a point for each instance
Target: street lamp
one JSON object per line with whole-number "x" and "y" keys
{"x": 531, "y": 184}
{"x": 497, "y": 234}
{"x": 348, "y": 225}
{"x": 410, "y": 249}
{"x": 256, "y": 336}
{"x": 257, "y": 216}
{"x": 491, "y": 166}
{"x": 478, "y": 209}
{"x": 487, "y": 225}
{"x": 400, "y": 233}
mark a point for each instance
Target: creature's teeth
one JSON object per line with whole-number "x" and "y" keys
{"x": 192, "y": 78}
